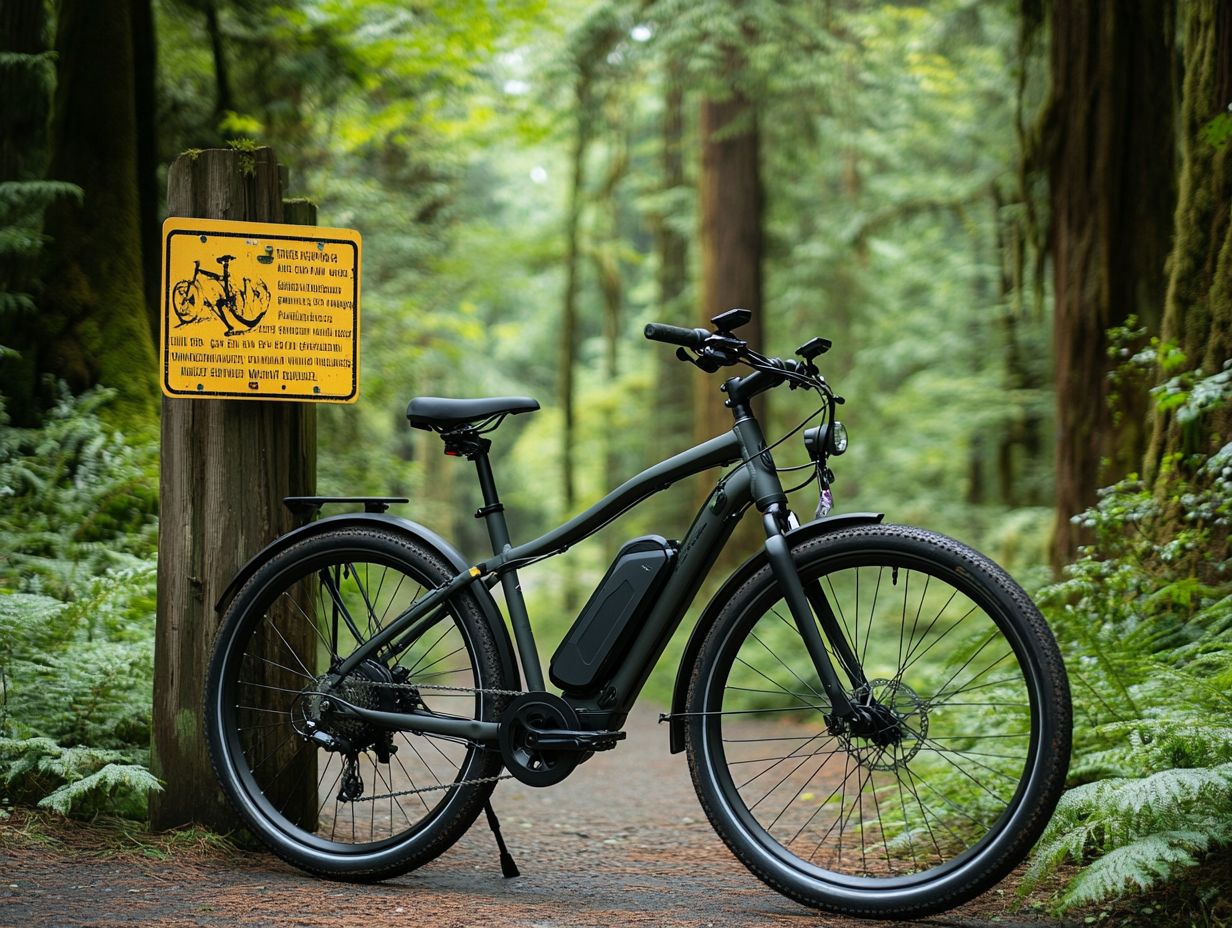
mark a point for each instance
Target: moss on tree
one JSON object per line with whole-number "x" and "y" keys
{"x": 94, "y": 322}
{"x": 1198, "y": 308}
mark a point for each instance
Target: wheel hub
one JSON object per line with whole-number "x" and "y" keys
{"x": 320, "y": 712}
{"x": 891, "y": 725}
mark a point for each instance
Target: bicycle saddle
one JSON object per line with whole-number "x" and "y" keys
{"x": 223, "y": 259}
{"x": 434, "y": 413}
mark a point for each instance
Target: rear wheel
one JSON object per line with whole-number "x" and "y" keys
{"x": 958, "y": 766}
{"x": 331, "y": 794}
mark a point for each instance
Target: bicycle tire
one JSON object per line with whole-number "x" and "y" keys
{"x": 185, "y": 296}
{"x": 255, "y": 693}
{"x": 914, "y": 872}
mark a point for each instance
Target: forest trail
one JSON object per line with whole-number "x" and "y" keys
{"x": 623, "y": 841}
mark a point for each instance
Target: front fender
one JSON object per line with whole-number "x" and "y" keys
{"x": 412, "y": 531}
{"x": 822, "y": 526}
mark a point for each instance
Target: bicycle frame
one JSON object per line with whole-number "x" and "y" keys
{"x": 754, "y": 481}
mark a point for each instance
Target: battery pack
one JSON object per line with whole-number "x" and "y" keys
{"x": 614, "y": 614}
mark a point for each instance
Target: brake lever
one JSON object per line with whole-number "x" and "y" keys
{"x": 704, "y": 361}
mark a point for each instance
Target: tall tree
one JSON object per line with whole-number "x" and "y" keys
{"x": 674, "y": 381}
{"x": 95, "y": 325}
{"x": 26, "y": 74}
{"x": 1110, "y": 168}
{"x": 145, "y": 66}
{"x": 730, "y": 205}
{"x": 1198, "y": 310}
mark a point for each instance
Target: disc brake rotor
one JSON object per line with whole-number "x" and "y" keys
{"x": 904, "y": 712}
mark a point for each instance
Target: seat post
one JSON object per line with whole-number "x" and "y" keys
{"x": 493, "y": 512}
{"x": 493, "y": 515}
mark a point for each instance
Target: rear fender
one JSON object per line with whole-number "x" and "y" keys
{"x": 411, "y": 531}
{"x": 822, "y": 526}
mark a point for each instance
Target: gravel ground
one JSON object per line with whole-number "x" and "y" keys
{"x": 623, "y": 841}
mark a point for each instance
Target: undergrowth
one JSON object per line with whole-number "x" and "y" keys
{"x": 1145, "y": 619}
{"x": 77, "y": 602}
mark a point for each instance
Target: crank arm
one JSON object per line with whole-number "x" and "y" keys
{"x": 424, "y": 722}
{"x": 566, "y": 739}
{"x": 784, "y": 570}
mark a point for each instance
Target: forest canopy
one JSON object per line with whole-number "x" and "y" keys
{"x": 1011, "y": 218}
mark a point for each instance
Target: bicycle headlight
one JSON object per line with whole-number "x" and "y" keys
{"x": 838, "y": 438}
{"x": 825, "y": 440}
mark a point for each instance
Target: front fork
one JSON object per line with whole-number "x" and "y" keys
{"x": 806, "y": 600}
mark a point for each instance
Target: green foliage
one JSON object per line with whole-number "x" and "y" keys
{"x": 75, "y": 781}
{"x": 77, "y": 606}
{"x": 1145, "y": 615}
{"x": 27, "y": 79}
{"x": 77, "y": 499}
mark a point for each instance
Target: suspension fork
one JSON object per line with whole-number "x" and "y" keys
{"x": 805, "y": 602}
{"x": 771, "y": 502}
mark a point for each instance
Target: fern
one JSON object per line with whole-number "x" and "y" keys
{"x": 77, "y": 603}
{"x": 117, "y": 788}
{"x": 82, "y": 781}
{"x": 1145, "y": 616}
{"x": 1139, "y": 865}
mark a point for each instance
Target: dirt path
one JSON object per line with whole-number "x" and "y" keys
{"x": 623, "y": 841}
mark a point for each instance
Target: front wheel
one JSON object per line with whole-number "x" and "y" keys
{"x": 959, "y": 763}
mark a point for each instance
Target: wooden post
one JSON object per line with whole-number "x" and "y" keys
{"x": 226, "y": 466}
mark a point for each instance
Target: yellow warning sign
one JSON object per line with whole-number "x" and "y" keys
{"x": 254, "y": 310}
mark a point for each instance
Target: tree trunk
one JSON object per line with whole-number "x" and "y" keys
{"x": 226, "y": 466}
{"x": 145, "y": 67}
{"x": 1020, "y": 444}
{"x": 606, "y": 254}
{"x": 1198, "y": 310}
{"x": 1110, "y": 167}
{"x": 567, "y": 345}
{"x": 674, "y": 423}
{"x": 95, "y": 327}
{"x": 731, "y": 242}
{"x": 223, "y": 101}
{"x": 23, "y": 109}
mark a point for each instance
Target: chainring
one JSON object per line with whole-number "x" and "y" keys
{"x": 533, "y": 766}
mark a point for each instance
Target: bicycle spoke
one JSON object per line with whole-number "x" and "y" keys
{"x": 274, "y": 692}
{"x": 950, "y": 725}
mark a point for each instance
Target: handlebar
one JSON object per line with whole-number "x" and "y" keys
{"x": 675, "y": 335}
{"x": 722, "y": 349}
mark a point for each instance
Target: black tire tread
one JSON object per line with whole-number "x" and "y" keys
{"x": 447, "y": 830}
{"x": 1040, "y": 639}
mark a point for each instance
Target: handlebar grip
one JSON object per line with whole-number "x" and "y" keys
{"x": 675, "y": 335}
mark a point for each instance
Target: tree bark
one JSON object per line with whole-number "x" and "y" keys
{"x": 1198, "y": 310}
{"x": 95, "y": 327}
{"x": 731, "y": 241}
{"x": 226, "y": 466}
{"x": 223, "y": 100}
{"x": 1108, "y": 128}
{"x": 145, "y": 60}
{"x": 673, "y": 425}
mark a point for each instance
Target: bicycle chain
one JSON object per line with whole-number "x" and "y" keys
{"x": 476, "y": 781}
